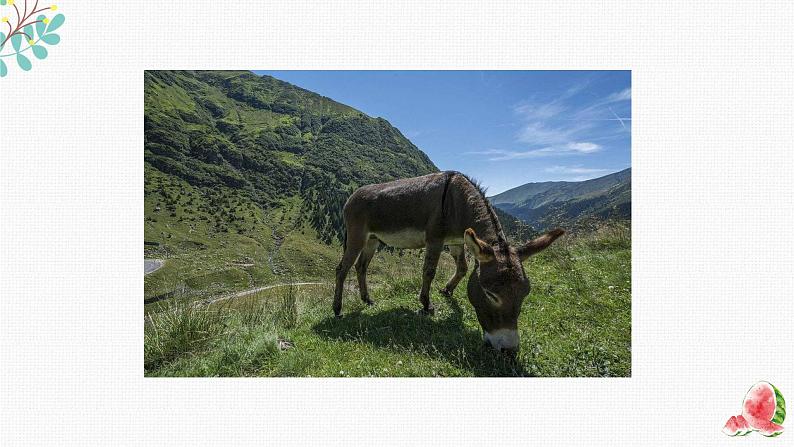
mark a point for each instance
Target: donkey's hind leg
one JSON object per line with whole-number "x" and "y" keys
{"x": 460, "y": 269}
{"x": 432, "y": 253}
{"x": 354, "y": 244}
{"x": 361, "y": 268}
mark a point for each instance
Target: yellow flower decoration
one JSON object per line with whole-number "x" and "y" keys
{"x": 5, "y": 19}
{"x": 10, "y": 2}
{"x": 54, "y": 7}
{"x": 32, "y": 42}
{"x": 46, "y": 20}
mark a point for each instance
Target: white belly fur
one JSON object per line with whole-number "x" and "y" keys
{"x": 410, "y": 238}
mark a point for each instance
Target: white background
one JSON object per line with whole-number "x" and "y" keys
{"x": 713, "y": 223}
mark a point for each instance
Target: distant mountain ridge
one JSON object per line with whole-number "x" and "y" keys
{"x": 547, "y": 204}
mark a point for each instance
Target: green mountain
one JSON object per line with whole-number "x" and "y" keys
{"x": 569, "y": 204}
{"x": 269, "y": 140}
{"x": 244, "y": 174}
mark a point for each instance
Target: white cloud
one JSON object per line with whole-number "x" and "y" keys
{"x": 562, "y": 127}
{"x": 596, "y": 109}
{"x": 560, "y": 122}
{"x": 537, "y": 133}
{"x": 573, "y": 148}
{"x": 578, "y": 169}
{"x": 584, "y": 147}
{"x": 623, "y": 95}
{"x": 533, "y": 109}
{"x": 577, "y": 173}
{"x": 536, "y": 111}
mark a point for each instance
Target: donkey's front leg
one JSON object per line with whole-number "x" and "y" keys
{"x": 432, "y": 253}
{"x": 460, "y": 270}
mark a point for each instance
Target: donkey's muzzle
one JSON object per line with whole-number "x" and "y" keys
{"x": 503, "y": 340}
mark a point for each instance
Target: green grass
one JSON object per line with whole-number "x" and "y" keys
{"x": 225, "y": 244}
{"x": 576, "y": 322}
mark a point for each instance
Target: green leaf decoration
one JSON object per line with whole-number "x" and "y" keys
{"x": 24, "y": 63}
{"x": 39, "y": 51}
{"x": 39, "y": 32}
{"x": 41, "y": 27}
{"x": 16, "y": 41}
{"x": 55, "y": 23}
{"x": 2, "y": 2}
{"x": 51, "y": 39}
{"x": 29, "y": 31}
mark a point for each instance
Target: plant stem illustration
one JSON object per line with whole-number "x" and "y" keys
{"x": 27, "y": 26}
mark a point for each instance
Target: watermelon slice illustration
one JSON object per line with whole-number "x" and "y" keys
{"x": 737, "y": 426}
{"x": 763, "y": 410}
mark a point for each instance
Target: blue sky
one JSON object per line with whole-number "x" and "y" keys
{"x": 505, "y": 128}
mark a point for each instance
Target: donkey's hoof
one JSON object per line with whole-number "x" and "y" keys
{"x": 368, "y": 302}
{"x": 338, "y": 316}
{"x": 428, "y": 311}
{"x": 445, "y": 292}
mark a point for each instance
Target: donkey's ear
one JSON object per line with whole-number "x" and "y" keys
{"x": 479, "y": 248}
{"x": 539, "y": 243}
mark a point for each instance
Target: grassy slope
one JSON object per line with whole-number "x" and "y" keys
{"x": 216, "y": 249}
{"x": 576, "y": 322}
{"x": 244, "y": 175}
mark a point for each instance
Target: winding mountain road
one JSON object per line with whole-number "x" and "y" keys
{"x": 257, "y": 290}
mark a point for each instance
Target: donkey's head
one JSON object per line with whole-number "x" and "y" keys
{"x": 498, "y": 286}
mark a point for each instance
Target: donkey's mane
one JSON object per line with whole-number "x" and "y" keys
{"x": 481, "y": 190}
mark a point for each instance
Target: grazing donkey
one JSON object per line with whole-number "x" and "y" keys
{"x": 431, "y": 211}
